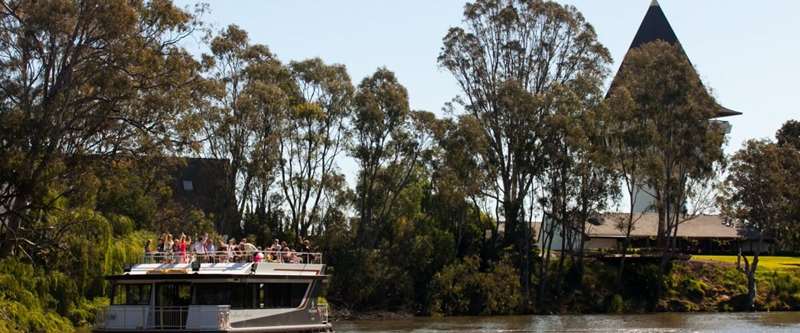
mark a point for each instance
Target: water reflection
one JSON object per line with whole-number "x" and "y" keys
{"x": 665, "y": 322}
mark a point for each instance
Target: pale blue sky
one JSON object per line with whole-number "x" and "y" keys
{"x": 745, "y": 50}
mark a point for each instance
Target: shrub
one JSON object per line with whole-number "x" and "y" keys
{"x": 783, "y": 291}
{"x": 461, "y": 288}
{"x": 616, "y": 304}
{"x": 695, "y": 288}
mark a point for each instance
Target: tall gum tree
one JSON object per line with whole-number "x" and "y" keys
{"x": 761, "y": 195}
{"x": 519, "y": 49}
{"x": 315, "y": 131}
{"x": 388, "y": 144}
{"x": 625, "y": 147}
{"x": 684, "y": 146}
{"x": 85, "y": 80}
{"x": 248, "y": 91}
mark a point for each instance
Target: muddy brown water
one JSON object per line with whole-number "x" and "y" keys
{"x": 663, "y": 322}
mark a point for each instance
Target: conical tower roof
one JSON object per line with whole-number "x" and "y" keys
{"x": 655, "y": 26}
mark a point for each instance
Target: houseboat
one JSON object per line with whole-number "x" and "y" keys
{"x": 268, "y": 292}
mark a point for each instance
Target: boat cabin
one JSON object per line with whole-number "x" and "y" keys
{"x": 217, "y": 295}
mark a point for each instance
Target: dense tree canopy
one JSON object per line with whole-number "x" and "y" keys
{"x": 85, "y": 80}
{"x": 761, "y": 194}
{"x": 683, "y": 146}
{"x": 100, "y": 104}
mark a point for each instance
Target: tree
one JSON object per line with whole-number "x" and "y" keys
{"x": 626, "y": 146}
{"x": 577, "y": 182}
{"x": 788, "y": 138}
{"x": 389, "y": 140}
{"x": 760, "y": 194}
{"x": 248, "y": 92}
{"x": 457, "y": 180}
{"x": 507, "y": 59}
{"x": 789, "y": 134}
{"x": 315, "y": 131}
{"x": 85, "y": 80}
{"x": 684, "y": 146}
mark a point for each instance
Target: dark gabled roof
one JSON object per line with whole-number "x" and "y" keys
{"x": 654, "y": 27}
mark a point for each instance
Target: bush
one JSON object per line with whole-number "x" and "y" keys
{"x": 695, "y": 289}
{"x": 616, "y": 305}
{"x": 86, "y": 311}
{"x": 783, "y": 291}
{"x": 461, "y": 288}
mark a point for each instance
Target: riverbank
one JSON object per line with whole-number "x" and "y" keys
{"x": 702, "y": 286}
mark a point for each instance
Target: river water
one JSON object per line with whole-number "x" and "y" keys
{"x": 663, "y": 322}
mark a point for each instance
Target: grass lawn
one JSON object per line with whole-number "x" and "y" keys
{"x": 765, "y": 262}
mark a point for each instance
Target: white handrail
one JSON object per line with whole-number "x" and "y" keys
{"x": 168, "y": 317}
{"x": 287, "y": 257}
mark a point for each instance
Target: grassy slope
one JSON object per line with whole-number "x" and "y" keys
{"x": 765, "y": 262}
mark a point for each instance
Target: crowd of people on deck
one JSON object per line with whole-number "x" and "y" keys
{"x": 170, "y": 250}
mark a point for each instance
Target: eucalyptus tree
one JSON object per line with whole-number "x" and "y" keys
{"x": 508, "y": 59}
{"x": 511, "y": 52}
{"x": 315, "y": 131}
{"x": 684, "y": 147}
{"x": 457, "y": 179}
{"x": 80, "y": 81}
{"x": 789, "y": 135}
{"x": 248, "y": 92}
{"x": 578, "y": 183}
{"x": 761, "y": 195}
{"x": 389, "y": 143}
{"x": 626, "y": 147}
{"x": 788, "y": 138}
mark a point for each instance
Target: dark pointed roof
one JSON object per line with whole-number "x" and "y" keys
{"x": 655, "y": 26}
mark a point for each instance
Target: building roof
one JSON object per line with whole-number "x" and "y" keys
{"x": 654, "y": 27}
{"x": 703, "y": 226}
{"x": 202, "y": 183}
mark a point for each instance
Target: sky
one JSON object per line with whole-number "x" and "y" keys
{"x": 745, "y": 51}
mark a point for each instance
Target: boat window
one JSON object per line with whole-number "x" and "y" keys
{"x": 250, "y": 295}
{"x": 281, "y": 295}
{"x": 131, "y": 294}
{"x": 173, "y": 294}
{"x": 212, "y": 294}
{"x": 242, "y": 296}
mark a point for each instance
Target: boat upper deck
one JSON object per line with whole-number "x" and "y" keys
{"x": 160, "y": 265}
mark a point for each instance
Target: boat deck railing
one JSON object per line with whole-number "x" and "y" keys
{"x": 322, "y": 310}
{"x": 168, "y": 317}
{"x": 163, "y": 318}
{"x": 284, "y": 257}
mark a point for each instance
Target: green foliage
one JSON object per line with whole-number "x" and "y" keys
{"x": 126, "y": 90}
{"x": 783, "y": 291}
{"x": 461, "y": 288}
{"x": 695, "y": 289}
{"x": 616, "y": 305}
{"x": 70, "y": 289}
{"x": 369, "y": 279}
{"x": 29, "y": 297}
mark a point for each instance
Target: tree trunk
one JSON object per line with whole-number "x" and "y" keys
{"x": 739, "y": 256}
{"x": 625, "y": 244}
{"x": 547, "y": 245}
{"x": 751, "y": 290}
{"x": 751, "y": 275}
